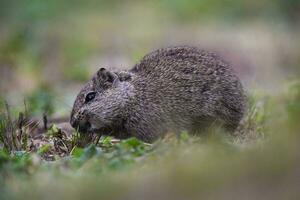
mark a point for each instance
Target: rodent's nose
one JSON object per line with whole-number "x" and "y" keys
{"x": 81, "y": 126}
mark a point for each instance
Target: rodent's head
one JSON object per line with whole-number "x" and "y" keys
{"x": 102, "y": 102}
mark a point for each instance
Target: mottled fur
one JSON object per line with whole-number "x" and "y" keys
{"x": 170, "y": 90}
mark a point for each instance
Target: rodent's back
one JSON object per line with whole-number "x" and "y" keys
{"x": 188, "y": 86}
{"x": 177, "y": 58}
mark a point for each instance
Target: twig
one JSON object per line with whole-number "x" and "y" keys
{"x": 21, "y": 123}
{"x": 45, "y": 121}
{"x": 25, "y": 109}
{"x": 10, "y": 130}
{"x": 97, "y": 139}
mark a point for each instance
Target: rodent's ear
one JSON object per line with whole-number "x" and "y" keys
{"x": 104, "y": 75}
{"x": 124, "y": 76}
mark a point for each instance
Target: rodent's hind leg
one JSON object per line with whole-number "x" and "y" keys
{"x": 230, "y": 117}
{"x": 200, "y": 125}
{"x": 208, "y": 126}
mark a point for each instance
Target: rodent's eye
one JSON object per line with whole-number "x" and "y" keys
{"x": 90, "y": 96}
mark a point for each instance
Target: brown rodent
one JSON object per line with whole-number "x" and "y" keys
{"x": 173, "y": 89}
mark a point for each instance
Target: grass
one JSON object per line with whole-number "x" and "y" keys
{"x": 259, "y": 157}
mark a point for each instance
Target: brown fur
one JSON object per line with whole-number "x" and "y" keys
{"x": 170, "y": 90}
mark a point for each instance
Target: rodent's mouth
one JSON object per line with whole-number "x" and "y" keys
{"x": 101, "y": 131}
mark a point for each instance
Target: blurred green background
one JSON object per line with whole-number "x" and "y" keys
{"x": 52, "y": 47}
{"x": 49, "y": 49}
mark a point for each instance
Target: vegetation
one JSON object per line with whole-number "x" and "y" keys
{"x": 263, "y": 152}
